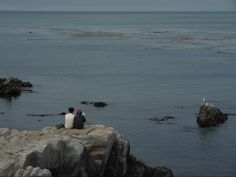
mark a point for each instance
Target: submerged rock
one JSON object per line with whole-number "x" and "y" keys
{"x": 94, "y": 151}
{"x": 46, "y": 115}
{"x": 96, "y": 104}
{"x": 62, "y": 113}
{"x": 99, "y": 104}
{"x": 210, "y": 116}
{"x": 160, "y": 120}
{"x": 12, "y": 87}
{"x": 40, "y": 115}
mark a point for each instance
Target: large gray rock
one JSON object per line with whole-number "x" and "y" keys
{"x": 94, "y": 151}
{"x": 210, "y": 116}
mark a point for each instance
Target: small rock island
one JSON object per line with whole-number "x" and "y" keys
{"x": 95, "y": 151}
{"x": 12, "y": 87}
{"x": 210, "y": 115}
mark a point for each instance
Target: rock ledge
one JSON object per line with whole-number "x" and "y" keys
{"x": 95, "y": 151}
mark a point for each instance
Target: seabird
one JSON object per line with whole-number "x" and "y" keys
{"x": 206, "y": 104}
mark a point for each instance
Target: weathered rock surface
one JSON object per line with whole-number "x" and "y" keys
{"x": 94, "y": 151}
{"x": 12, "y": 87}
{"x": 210, "y": 116}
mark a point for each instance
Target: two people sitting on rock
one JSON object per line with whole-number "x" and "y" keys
{"x": 74, "y": 121}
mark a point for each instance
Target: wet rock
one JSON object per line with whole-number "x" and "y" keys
{"x": 62, "y": 113}
{"x": 162, "y": 119}
{"x": 46, "y": 115}
{"x": 40, "y": 115}
{"x": 86, "y": 102}
{"x": 99, "y": 104}
{"x": 95, "y": 104}
{"x": 210, "y": 116}
{"x": 162, "y": 172}
{"x": 137, "y": 168}
{"x": 12, "y": 87}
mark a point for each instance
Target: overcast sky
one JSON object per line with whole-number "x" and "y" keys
{"x": 120, "y": 5}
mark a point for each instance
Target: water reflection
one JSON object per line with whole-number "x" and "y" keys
{"x": 7, "y": 103}
{"x": 204, "y": 133}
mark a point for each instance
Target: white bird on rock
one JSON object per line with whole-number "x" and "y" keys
{"x": 205, "y": 103}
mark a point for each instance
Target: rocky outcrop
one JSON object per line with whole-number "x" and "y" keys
{"x": 12, "y": 87}
{"x": 210, "y": 116}
{"x": 95, "y": 151}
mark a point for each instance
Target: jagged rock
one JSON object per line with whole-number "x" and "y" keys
{"x": 95, "y": 151}
{"x": 12, "y": 87}
{"x": 210, "y": 116}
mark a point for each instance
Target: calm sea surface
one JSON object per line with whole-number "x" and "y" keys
{"x": 143, "y": 65}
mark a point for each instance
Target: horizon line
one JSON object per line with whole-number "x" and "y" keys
{"x": 118, "y": 11}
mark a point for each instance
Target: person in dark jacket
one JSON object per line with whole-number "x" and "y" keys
{"x": 79, "y": 120}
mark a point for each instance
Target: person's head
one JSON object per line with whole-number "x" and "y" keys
{"x": 71, "y": 110}
{"x": 79, "y": 111}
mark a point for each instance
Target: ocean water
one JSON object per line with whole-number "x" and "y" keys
{"x": 143, "y": 65}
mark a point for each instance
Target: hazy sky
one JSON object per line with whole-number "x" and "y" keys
{"x": 119, "y": 5}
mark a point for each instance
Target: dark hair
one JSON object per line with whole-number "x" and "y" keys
{"x": 71, "y": 110}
